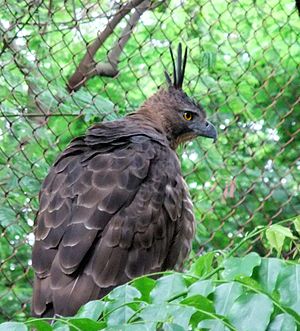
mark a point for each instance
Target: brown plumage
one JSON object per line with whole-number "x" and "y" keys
{"x": 115, "y": 206}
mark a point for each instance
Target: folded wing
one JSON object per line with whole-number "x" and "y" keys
{"x": 106, "y": 216}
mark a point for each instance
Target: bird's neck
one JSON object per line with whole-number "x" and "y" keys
{"x": 149, "y": 118}
{"x": 154, "y": 120}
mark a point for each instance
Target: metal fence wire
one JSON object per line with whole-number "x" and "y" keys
{"x": 67, "y": 64}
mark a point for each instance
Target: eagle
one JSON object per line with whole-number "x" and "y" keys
{"x": 115, "y": 206}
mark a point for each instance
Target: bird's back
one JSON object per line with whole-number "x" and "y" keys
{"x": 113, "y": 207}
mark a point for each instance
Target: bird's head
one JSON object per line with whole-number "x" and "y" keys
{"x": 181, "y": 118}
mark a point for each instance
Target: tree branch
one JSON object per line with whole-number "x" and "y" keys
{"x": 88, "y": 68}
{"x": 27, "y": 68}
{"x": 110, "y": 68}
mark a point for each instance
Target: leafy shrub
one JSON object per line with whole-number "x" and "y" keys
{"x": 249, "y": 293}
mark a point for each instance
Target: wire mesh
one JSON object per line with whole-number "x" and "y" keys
{"x": 243, "y": 68}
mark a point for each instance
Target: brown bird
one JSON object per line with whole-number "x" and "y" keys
{"x": 115, "y": 206}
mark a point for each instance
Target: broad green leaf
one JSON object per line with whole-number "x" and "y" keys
{"x": 215, "y": 325}
{"x": 282, "y": 229}
{"x": 203, "y": 265}
{"x": 268, "y": 273}
{"x": 145, "y": 286}
{"x": 276, "y": 234}
{"x": 283, "y": 322}
{"x": 203, "y": 287}
{"x": 92, "y": 310}
{"x": 131, "y": 327}
{"x": 201, "y": 303}
{"x": 174, "y": 313}
{"x": 120, "y": 316}
{"x": 198, "y": 301}
{"x": 288, "y": 286}
{"x": 13, "y": 326}
{"x": 60, "y": 326}
{"x": 225, "y": 295}
{"x": 251, "y": 312}
{"x": 119, "y": 308}
{"x": 39, "y": 325}
{"x": 84, "y": 324}
{"x": 182, "y": 315}
{"x": 275, "y": 239}
{"x": 235, "y": 266}
{"x": 173, "y": 327}
{"x": 250, "y": 282}
{"x": 123, "y": 294}
{"x": 168, "y": 287}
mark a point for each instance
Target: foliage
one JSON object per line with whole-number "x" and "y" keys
{"x": 249, "y": 293}
{"x": 243, "y": 68}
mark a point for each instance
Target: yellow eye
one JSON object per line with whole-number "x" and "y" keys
{"x": 188, "y": 116}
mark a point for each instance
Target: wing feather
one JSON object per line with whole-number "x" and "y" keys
{"x": 108, "y": 213}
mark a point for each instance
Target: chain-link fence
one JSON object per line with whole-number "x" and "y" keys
{"x": 66, "y": 65}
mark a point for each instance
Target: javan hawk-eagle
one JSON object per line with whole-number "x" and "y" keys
{"x": 115, "y": 206}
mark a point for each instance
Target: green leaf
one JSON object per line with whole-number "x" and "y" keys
{"x": 181, "y": 315}
{"x": 168, "y": 287}
{"x": 201, "y": 303}
{"x": 215, "y": 325}
{"x": 250, "y": 282}
{"x": 203, "y": 287}
{"x": 173, "y": 327}
{"x": 251, "y": 312}
{"x": 203, "y": 265}
{"x": 120, "y": 316}
{"x": 283, "y": 230}
{"x": 39, "y": 325}
{"x": 92, "y": 310}
{"x": 84, "y": 324}
{"x": 120, "y": 308}
{"x": 13, "y": 326}
{"x": 235, "y": 266}
{"x": 283, "y": 322}
{"x": 130, "y": 327}
{"x": 275, "y": 239}
{"x": 60, "y": 326}
{"x": 174, "y": 313}
{"x": 145, "y": 285}
{"x": 288, "y": 285}
{"x": 124, "y": 294}
{"x": 225, "y": 295}
{"x": 268, "y": 273}
{"x": 276, "y": 234}
{"x": 297, "y": 224}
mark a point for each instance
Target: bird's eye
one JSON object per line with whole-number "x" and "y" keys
{"x": 188, "y": 116}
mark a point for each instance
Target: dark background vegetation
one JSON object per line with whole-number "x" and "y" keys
{"x": 243, "y": 67}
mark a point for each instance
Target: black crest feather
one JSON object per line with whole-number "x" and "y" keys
{"x": 178, "y": 68}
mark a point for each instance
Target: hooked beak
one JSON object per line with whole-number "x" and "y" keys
{"x": 208, "y": 130}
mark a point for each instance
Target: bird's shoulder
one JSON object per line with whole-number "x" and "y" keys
{"x": 122, "y": 140}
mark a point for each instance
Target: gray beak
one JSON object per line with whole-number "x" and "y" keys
{"x": 207, "y": 130}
